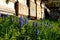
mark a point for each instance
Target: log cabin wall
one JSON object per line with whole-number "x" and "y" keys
{"x": 42, "y": 10}
{"x": 38, "y": 10}
{"x": 23, "y": 8}
{"x": 32, "y": 8}
{"x": 6, "y": 8}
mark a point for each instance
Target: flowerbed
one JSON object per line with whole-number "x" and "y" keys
{"x": 14, "y": 28}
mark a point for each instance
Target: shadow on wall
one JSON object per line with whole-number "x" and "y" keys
{"x": 54, "y": 13}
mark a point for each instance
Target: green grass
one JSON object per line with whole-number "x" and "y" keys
{"x": 12, "y": 31}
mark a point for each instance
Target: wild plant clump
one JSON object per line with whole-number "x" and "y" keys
{"x": 14, "y": 28}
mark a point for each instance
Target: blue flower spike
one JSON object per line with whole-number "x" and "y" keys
{"x": 21, "y": 24}
{"x": 26, "y": 22}
{"x": 20, "y": 17}
{"x": 37, "y": 32}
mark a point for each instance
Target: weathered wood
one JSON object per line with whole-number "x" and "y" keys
{"x": 16, "y": 6}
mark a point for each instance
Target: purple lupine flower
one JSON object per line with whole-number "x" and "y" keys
{"x": 26, "y": 22}
{"x": 23, "y": 20}
{"x": 34, "y": 23}
{"x": 21, "y": 23}
{"x": 20, "y": 17}
{"x": 37, "y": 32}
